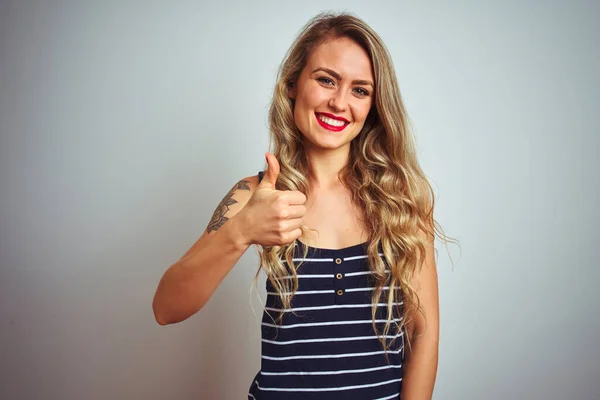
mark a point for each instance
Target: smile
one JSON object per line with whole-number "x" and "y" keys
{"x": 329, "y": 123}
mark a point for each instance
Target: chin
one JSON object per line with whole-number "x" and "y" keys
{"x": 327, "y": 143}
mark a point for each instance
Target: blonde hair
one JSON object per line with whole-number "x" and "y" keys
{"x": 382, "y": 174}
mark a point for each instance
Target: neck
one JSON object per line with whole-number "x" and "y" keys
{"x": 326, "y": 165}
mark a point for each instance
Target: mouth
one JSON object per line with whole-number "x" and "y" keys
{"x": 331, "y": 122}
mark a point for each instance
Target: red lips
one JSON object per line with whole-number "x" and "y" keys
{"x": 332, "y": 127}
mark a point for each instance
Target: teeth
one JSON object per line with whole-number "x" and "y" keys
{"x": 331, "y": 121}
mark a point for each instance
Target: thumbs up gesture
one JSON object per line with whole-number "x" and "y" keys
{"x": 273, "y": 217}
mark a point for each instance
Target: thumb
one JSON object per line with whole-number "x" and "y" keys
{"x": 272, "y": 173}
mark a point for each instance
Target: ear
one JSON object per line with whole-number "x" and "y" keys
{"x": 292, "y": 91}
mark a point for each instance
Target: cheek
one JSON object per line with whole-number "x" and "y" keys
{"x": 313, "y": 95}
{"x": 362, "y": 112}
{"x": 300, "y": 115}
{"x": 306, "y": 102}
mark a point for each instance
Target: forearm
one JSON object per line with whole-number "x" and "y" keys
{"x": 188, "y": 284}
{"x": 420, "y": 368}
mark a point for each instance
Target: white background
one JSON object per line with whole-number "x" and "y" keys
{"x": 123, "y": 124}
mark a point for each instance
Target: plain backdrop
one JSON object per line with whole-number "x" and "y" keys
{"x": 123, "y": 124}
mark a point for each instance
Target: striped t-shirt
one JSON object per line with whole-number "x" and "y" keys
{"x": 325, "y": 346}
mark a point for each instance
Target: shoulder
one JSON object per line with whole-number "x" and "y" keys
{"x": 242, "y": 190}
{"x": 234, "y": 201}
{"x": 247, "y": 184}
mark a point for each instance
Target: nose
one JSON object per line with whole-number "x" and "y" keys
{"x": 338, "y": 101}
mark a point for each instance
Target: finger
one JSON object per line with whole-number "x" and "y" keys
{"x": 295, "y": 234}
{"x": 293, "y": 224}
{"x": 270, "y": 178}
{"x": 296, "y": 211}
{"x": 293, "y": 197}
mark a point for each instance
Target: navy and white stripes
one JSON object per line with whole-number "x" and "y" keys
{"x": 325, "y": 346}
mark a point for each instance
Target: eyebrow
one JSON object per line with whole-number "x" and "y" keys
{"x": 339, "y": 77}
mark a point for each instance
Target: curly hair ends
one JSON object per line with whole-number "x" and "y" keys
{"x": 382, "y": 174}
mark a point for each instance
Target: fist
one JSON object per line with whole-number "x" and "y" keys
{"x": 273, "y": 217}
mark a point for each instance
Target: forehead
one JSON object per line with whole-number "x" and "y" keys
{"x": 343, "y": 56}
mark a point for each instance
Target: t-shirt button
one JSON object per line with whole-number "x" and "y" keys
{"x": 340, "y": 292}
{"x": 339, "y": 275}
{"x": 338, "y": 260}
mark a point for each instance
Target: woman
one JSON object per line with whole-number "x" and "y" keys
{"x": 344, "y": 218}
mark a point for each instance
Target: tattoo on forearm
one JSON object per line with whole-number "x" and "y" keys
{"x": 219, "y": 218}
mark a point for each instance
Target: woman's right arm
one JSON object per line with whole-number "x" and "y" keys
{"x": 251, "y": 213}
{"x": 188, "y": 284}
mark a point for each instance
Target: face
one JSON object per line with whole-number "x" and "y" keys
{"x": 334, "y": 94}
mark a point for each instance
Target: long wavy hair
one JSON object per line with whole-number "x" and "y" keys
{"x": 382, "y": 175}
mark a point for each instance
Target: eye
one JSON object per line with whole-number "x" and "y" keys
{"x": 361, "y": 91}
{"x": 325, "y": 81}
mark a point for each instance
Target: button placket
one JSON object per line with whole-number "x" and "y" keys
{"x": 338, "y": 282}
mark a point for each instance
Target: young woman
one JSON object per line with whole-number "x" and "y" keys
{"x": 343, "y": 218}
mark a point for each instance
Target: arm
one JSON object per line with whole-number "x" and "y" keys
{"x": 188, "y": 284}
{"x": 422, "y": 361}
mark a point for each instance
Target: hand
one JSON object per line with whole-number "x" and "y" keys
{"x": 273, "y": 217}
